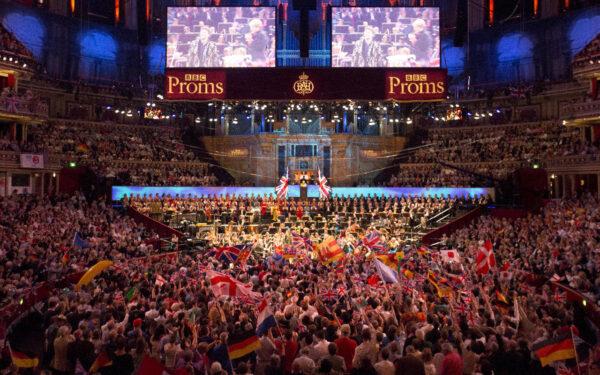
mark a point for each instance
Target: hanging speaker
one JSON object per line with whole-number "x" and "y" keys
{"x": 462, "y": 22}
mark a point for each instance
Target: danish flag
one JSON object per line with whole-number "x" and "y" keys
{"x": 485, "y": 259}
{"x": 160, "y": 281}
{"x": 324, "y": 189}
{"x": 282, "y": 188}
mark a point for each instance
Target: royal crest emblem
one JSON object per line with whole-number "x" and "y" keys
{"x": 303, "y": 85}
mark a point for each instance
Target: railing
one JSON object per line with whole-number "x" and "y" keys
{"x": 572, "y": 160}
{"x": 452, "y": 226}
{"x": 582, "y": 109}
{"x": 23, "y": 106}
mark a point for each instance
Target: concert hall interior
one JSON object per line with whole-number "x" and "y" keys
{"x": 299, "y": 187}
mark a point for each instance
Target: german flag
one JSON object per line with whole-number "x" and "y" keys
{"x": 22, "y": 360}
{"x": 556, "y": 349}
{"x": 243, "y": 346}
{"x": 435, "y": 280}
{"x": 502, "y": 298}
{"x": 102, "y": 360}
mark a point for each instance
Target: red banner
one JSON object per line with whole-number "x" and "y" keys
{"x": 410, "y": 84}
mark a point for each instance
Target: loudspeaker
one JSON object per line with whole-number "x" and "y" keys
{"x": 142, "y": 23}
{"x": 462, "y": 22}
{"x": 304, "y": 4}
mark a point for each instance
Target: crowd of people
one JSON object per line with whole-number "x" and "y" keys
{"x": 438, "y": 316}
{"x": 488, "y": 151}
{"x": 37, "y": 239}
{"x": 135, "y": 155}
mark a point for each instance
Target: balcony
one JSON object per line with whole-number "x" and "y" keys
{"x": 25, "y": 105}
{"x": 581, "y": 112}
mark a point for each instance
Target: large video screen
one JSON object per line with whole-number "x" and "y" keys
{"x": 215, "y": 37}
{"x": 385, "y": 37}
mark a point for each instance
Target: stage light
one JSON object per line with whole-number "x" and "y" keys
{"x": 159, "y": 96}
{"x": 490, "y": 114}
{"x": 53, "y": 174}
{"x": 129, "y": 115}
{"x": 153, "y": 105}
{"x": 536, "y": 166}
{"x": 10, "y": 59}
{"x": 148, "y": 104}
{"x": 72, "y": 164}
{"x": 107, "y": 107}
{"x": 497, "y": 111}
{"x": 210, "y": 104}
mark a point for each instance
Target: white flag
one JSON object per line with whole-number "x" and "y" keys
{"x": 32, "y": 161}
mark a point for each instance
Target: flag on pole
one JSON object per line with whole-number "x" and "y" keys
{"x": 330, "y": 251}
{"x": 373, "y": 242}
{"x": 485, "y": 259}
{"x": 160, "y": 281}
{"x": 79, "y": 241}
{"x": 103, "y": 360}
{"x": 324, "y": 189}
{"x": 386, "y": 273}
{"x": 282, "y": 188}
{"x": 265, "y": 318}
{"x": 555, "y": 349}
{"x": 228, "y": 254}
{"x": 23, "y": 360}
{"x": 242, "y": 345}
{"x": 450, "y": 256}
{"x": 225, "y": 285}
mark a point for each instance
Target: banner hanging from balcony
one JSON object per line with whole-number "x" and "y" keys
{"x": 404, "y": 85}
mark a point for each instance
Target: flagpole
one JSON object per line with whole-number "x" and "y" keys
{"x": 575, "y": 350}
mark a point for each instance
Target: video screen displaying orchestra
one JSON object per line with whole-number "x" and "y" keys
{"x": 385, "y": 37}
{"x": 215, "y": 37}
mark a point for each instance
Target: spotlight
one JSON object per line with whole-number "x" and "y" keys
{"x": 159, "y": 96}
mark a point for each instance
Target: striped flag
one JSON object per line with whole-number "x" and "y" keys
{"x": 330, "y": 251}
{"x": 555, "y": 349}
{"x": 243, "y": 345}
{"x": 103, "y": 360}
{"x": 282, "y": 188}
{"x": 22, "y": 360}
{"x": 324, "y": 189}
{"x": 265, "y": 318}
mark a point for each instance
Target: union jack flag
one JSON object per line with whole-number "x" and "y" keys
{"x": 372, "y": 241}
{"x": 324, "y": 189}
{"x": 341, "y": 291}
{"x": 329, "y": 295}
{"x": 227, "y": 254}
{"x": 300, "y": 242}
{"x": 282, "y": 188}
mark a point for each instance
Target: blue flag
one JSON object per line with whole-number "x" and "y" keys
{"x": 78, "y": 241}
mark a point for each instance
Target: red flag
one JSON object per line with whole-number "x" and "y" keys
{"x": 373, "y": 280}
{"x": 485, "y": 259}
{"x": 150, "y": 366}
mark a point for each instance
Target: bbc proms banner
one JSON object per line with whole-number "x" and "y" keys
{"x": 32, "y": 161}
{"x": 405, "y": 85}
